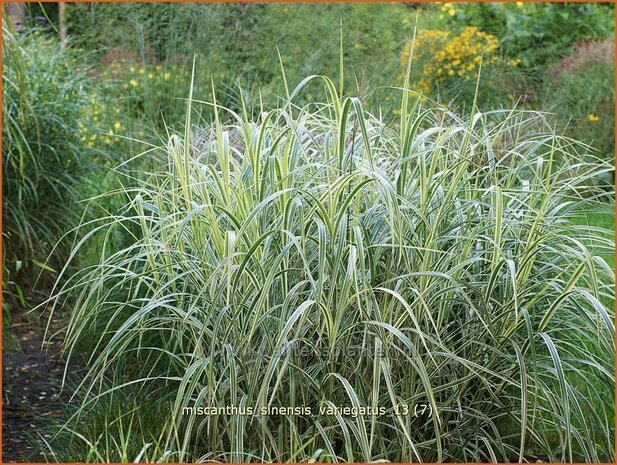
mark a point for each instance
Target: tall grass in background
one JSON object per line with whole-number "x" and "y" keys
{"x": 223, "y": 36}
{"x": 528, "y": 42}
{"x": 44, "y": 98}
{"x": 57, "y": 141}
{"x": 317, "y": 256}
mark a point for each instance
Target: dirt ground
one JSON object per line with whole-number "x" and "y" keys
{"x": 31, "y": 387}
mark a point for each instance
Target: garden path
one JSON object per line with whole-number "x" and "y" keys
{"x": 31, "y": 386}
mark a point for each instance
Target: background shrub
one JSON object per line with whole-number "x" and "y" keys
{"x": 582, "y": 86}
{"x": 530, "y": 62}
{"x": 535, "y": 32}
{"x": 446, "y": 65}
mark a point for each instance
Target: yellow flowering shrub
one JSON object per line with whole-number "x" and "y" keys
{"x": 154, "y": 89}
{"x": 99, "y": 122}
{"x": 445, "y": 54}
{"x": 447, "y": 9}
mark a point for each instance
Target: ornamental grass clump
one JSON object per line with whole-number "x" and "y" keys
{"x": 422, "y": 273}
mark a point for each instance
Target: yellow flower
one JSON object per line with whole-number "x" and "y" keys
{"x": 133, "y": 82}
{"x": 117, "y": 125}
{"x": 150, "y": 75}
{"x": 450, "y": 54}
{"x": 593, "y": 117}
{"x": 166, "y": 76}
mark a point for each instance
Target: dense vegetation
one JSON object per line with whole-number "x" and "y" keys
{"x": 262, "y": 248}
{"x": 233, "y": 232}
{"x": 45, "y": 157}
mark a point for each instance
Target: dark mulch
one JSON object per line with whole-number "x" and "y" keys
{"x": 31, "y": 381}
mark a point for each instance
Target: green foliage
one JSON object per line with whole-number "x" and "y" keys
{"x": 437, "y": 249}
{"x": 238, "y": 45}
{"x": 538, "y": 67}
{"x": 42, "y": 103}
{"x": 536, "y": 32}
{"x": 49, "y": 151}
{"x": 119, "y": 431}
{"x": 372, "y": 35}
{"x": 597, "y": 219}
{"x": 150, "y": 92}
{"x": 462, "y": 264}
{"x": 582, "y": 89}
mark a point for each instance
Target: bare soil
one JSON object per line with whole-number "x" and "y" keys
{"x": 32, "y": 373}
